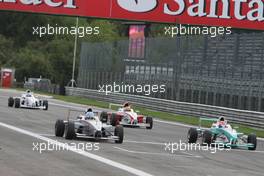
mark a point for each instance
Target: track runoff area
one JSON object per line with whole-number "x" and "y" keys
{"x": 28, "y": 146}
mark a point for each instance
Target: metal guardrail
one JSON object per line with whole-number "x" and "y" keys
{"x": 250, "y": 118}
{"x": 49, "y": 88}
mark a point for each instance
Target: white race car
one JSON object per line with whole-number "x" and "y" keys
{"x": 91, "y": 127}
{"x": 28, "y": 100}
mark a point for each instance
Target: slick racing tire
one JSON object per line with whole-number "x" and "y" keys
{"x": 207, "y": 137}
{"x": 149, "y": 120}
{"x": 17, "y": 102}
{"x": 113, "y": 120}
{"x": 46, "y": 105}
{"x": 104, "y": 117}
{"x": 59, "y": 128}
{"x": 98, "y": 135}
{"x": 192, "y": 135}
{"x": 119, "y": 132}
{"x": 11, "y": 102}
{"x": 70, "y": 131}
{"x": 252, "y": 139}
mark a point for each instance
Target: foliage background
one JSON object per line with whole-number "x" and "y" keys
{"x": 49, "y": 56}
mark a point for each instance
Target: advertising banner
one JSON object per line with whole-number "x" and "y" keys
{"x": 247, "y": 14}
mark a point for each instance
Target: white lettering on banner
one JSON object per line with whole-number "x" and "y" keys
{"x": 198, "y": 8}
{"x": 51, "y": 3}
{"x": 138, "y": 5}
{"x": 178, "y": 12}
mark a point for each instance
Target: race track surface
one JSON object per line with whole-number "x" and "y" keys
{"x": 143, "y": 152}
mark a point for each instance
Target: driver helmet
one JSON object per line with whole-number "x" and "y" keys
{"x": 221, "y": 118}
{"x": 222, "y": 121}
{"x": 126, "y": 104}
{"x": 89, "y": 110}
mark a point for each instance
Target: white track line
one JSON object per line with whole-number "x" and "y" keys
{"x": 80, "y": 152}
{"x": 160, "y": 154}
{"x": 144, "y": 142}
{"x": 153, "y": 143}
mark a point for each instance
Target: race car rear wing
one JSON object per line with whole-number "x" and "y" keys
{"x": 113, "y": 104}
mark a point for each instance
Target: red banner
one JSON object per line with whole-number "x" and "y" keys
{"x": 248, "y": 14}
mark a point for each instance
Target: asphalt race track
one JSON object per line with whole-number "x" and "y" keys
{"x": 142, "y": 153}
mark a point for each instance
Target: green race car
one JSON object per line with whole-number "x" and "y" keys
{"x": 221, "y": 133}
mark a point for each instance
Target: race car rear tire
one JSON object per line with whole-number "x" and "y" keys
{"x": 70, "y": 130}
{"x": 11, "y": 102}
{"x": 17, "y": 102}
{"x": 207, "y": 137}
{"x": 192, "y": 135}
{"x": 59, "y": 128}
{"x": 46, "y": 105}
{"x": 252, "y": 138}
{"x": 113, "y": 120}
{"x": 103, "y": 117}
{"x": 119, "y": 132}
{"x": 149, "y": 120}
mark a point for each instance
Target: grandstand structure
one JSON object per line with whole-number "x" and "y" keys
{"x": 229, "y": 73}
{"x": 224, "y": 71}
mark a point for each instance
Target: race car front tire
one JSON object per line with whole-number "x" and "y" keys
{"x": 11, "y": 102}
{"x": 98, "y": 135}
{"x": 59, "y": 128}
{"x": 46, "y": 105}
{"x": 207, "y": 137}
{"x": 149, "y": 120}
{"x": 252, "y": 139}
{"x": 70, "y": 130}
{"x": 17, "y": 102}
{"x": 192, "y": 135}
{"x": 119, "y": 132}
{"x": 113, "y": 120}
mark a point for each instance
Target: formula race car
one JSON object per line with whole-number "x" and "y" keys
{"x": 28, "y": 100}
{"x": 127, "y": 117}
{"x": 90, "y": 126}
{"x": 222, "y": 133}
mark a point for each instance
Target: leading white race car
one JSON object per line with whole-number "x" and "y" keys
{"x": 28, "y": 100}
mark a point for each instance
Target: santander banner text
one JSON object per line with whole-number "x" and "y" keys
{"x": 247, "y": 14}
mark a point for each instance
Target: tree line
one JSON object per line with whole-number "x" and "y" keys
{"x": 49, "y": 56}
